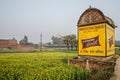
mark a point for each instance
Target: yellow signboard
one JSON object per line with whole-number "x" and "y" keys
{"x": 92, "y": 40}
{"x": 110, "y": 40}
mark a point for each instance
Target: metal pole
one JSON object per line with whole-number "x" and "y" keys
{"x": 41, "y": 42}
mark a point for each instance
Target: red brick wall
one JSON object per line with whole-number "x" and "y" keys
{"x": 8, "y": 43}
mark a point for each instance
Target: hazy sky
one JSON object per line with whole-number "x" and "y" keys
{"x": 49, "y": 17}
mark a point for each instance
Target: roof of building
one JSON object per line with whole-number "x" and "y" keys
{"x": 92, "y": 16}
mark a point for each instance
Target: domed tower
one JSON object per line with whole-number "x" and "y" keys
{"x": 95, "y": 34}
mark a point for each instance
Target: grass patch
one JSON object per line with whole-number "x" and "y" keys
{"x": 12, "y": 51}
{"x": 117, "y": 50}
{"x": 37, "y": 51}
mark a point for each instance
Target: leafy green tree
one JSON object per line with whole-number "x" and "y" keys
{"x": 24, "y": 41}
{"x": 76, "y": 44}
{"x": 70, "y": 41}
{"x": 66, "y": 41}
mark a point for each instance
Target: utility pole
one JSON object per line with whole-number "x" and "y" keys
{"x": 41, "y": 42}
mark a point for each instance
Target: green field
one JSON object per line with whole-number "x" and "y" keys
{"x": 117, "y": 50}
{"x": 46, "y": 65}
{"x": 49, "y": 65}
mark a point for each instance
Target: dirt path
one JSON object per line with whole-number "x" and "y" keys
{"x": 116, "y": 75}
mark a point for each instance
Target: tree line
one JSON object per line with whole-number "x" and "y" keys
{"x": 69, "y": 41}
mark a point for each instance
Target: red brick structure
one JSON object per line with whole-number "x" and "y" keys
{"x": 10, "y": 43}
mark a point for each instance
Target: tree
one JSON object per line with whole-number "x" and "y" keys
{"x": 66, "y": 41}
{"x": 24, "y": 41}
{"x": 76, "y": 44}
{"x": 70, "y": 41}
{"x": 58, "y": 40}
{"x": 53, "y": 40}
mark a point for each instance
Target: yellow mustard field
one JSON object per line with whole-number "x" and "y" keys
{"x": 40, "y": 66}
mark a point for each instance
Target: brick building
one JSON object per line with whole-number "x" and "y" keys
{"x": 10, "y": 44}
